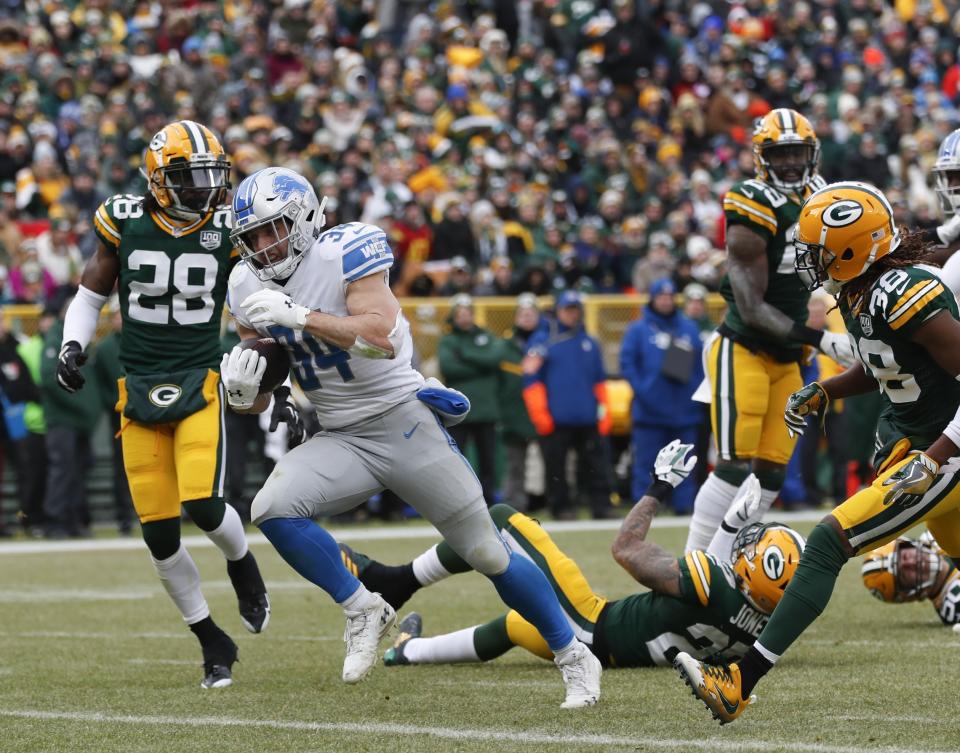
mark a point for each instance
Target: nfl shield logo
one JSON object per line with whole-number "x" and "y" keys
{"x": 866, "y": 324}
{"x": 209, "y": 239}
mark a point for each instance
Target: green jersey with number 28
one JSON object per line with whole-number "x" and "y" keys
{"x": 173, "y": 280}
{"x": 921, "y": 397}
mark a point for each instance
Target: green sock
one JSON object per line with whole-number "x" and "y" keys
{"x": 809, "y": 591}
{"x": 491, "y": 640}
{"x": 452, "y": 562}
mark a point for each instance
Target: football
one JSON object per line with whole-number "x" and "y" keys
{"x": 278, "y": 363}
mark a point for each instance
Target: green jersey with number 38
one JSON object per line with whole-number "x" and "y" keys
{"x": 773, "y": 216}
{"x": 173, "y": 280}
{"x": 921, "y": 397}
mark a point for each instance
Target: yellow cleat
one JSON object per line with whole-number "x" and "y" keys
{"x": 716, "y": 685}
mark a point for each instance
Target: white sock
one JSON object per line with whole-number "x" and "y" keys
{"x": 564, "y": 652}
{"x": 442, "y": 649}
{"x": 767, "y": 498}
{"x": 181, "y": 579}
{"x": 229, "y": 536}
{"x": 427, "y": 568}
{"x": 766, "y": 654}
{"x": 712, "y": 502}
{"x": 359, "y": 600}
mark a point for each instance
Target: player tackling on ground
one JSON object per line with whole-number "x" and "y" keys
{"x": 325, "y": 298}
{"x": 904, "y": 325}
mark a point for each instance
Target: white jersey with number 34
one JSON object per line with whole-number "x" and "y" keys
{"x": 344, "y": 388}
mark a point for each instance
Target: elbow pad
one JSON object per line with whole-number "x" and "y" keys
{"x": 366, "y": 349}
{"x": 80, "y": 322}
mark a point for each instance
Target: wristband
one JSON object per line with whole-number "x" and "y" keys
{"x": 806, "y": 335}
{"x": 659, "y": 490}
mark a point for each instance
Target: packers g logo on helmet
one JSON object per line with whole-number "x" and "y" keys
{"x": 765, "y": 557}
{"x": 787, "y": 130}
{"x": 187, "y": 171}
{"x": 842, "y": 229}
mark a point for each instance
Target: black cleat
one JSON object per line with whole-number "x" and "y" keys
{"x": 252, "y": 599}
{"x": 218, "y": 659}
{"x": 410, "y": 626}
{"x": 395, "y": 583}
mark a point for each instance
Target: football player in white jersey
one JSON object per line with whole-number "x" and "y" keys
{"x": 325, "y": 298}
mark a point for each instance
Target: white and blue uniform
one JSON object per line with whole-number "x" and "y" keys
{"x": 377, "y": 434}
{"x": 345, "y": 389}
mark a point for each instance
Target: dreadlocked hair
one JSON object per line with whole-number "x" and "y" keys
{"x": 913, "y": 249}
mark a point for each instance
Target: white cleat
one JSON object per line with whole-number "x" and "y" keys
{"x": 581, "y": 676}
{"x": 365, "y": 628}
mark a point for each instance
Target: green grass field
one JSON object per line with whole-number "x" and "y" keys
{"x": 95, "y": 658}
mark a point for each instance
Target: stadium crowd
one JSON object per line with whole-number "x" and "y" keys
{"x": 507, "y": 147}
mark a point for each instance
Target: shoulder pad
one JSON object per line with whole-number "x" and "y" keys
{"x": 364, "y": 249}
{"x": 110, "y": 216}
{"x": 898, "y": 295}
{"x": 753, "y": 202}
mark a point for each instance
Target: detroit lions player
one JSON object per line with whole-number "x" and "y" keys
{"x": 326, "y": 299}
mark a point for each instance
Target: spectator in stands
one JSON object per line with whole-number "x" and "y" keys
{"x": 516, "y": 428}
{"x": 469, "y": 358}
{"x": 565, "y": 395}
{"x": 58, "y": 254}
{"x": 661, "y": 357}
{"x": 499, "y": 279}
{"x": 460, "y": 279}
{"x": 29, "y": 281}
{"x": 107, "y": 369}
{"x": 71, "y": 418}
{"x": 452, "y": 235}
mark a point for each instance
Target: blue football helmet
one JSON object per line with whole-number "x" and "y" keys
{"x": 946, "y": 174}
{"x": 282, "y": 201}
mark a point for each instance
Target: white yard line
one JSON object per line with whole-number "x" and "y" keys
{"x": 356, "y": 533}
{"x": 532, "y": 737}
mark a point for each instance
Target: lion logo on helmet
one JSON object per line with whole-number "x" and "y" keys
{"x": 287, "y": 185}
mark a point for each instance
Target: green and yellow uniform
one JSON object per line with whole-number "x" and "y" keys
{"x": 751, "y": 373}
{"x": 711, "y": 617}
{"x": 920, "y": 399}
{"x": 172, "y": 285}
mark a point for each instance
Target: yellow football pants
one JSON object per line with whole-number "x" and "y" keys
{"x": 749, "y": 393}
{"x": 579, "y": 602}
{"x": 868, "y": 523}
{"x": 168, "y": 464}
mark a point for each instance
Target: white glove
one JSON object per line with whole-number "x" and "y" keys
{"x": 949, "y": 231}
{"x": 745, "y": 507}
{"x": 672, "y": 464}
{"x": 838, "y": 347}
{"x": 268, "y": 307}
{"x": 241, "y": 371}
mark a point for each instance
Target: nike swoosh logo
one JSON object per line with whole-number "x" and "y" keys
{"x": 731, "y": 708}
{"x": 408, "y": 434}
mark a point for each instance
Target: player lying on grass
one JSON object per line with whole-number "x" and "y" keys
{"x": 698, "y": 603}
{"x": 913, "y": 570}
{"x": 905, "y": 325}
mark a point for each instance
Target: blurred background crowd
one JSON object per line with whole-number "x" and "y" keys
{"x": 537, "y": 146}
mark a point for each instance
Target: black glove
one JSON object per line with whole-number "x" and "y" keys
{"x": 72, "y": 358}
{"x": 284, "y": 410}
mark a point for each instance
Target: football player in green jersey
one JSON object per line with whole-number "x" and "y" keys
{"x": 905, "y": 327}
{"x": 699, "y": 603}
{"x": 169, "y": 253}
{"x": 752, "y": 364}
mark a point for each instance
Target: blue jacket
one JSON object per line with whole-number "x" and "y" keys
{"x": 572, "y": 367}
{"x": 657, "y": 400}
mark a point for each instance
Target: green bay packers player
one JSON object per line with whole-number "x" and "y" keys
{"x": 905, "y": 328}
{"x": 705, "y": 603}
{"x": 753, "y": 365}
{"x": 914, "y": 570}
{"x": 170, "y": 254}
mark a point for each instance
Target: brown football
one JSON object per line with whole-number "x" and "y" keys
{"x": 278, "y": 362}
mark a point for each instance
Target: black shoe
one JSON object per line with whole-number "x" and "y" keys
{"x": 218, "y": 659}
{"x": 410, "y": 626}
{"x": 395, "y": 583}
{"x": 252, "y": 599}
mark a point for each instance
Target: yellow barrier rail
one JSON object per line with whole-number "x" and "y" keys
{"x": 605, "y": 316}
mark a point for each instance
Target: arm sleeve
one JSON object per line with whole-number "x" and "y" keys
{"x": 721, "y": 545}
{"x": 82, "y": 316}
